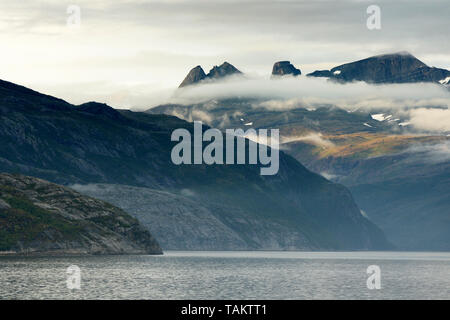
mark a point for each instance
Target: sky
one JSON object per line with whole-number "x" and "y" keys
{"x": 134, "y": 53}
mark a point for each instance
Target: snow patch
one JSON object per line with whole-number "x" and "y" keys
{"x": 378, "y": 116}
{"x": 445, "y": 81}
{"x": 367, "y": 125}
{"x": 337, "y": 72}
{"x": 381, "y": 117}
{"x": 364, "y": 214}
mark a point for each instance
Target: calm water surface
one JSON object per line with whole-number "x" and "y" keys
{"x": 230, "y": 275}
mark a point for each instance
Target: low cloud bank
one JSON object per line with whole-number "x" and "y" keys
{"x": 425, "y": 104}
{"x": 431, "y": 153}
{"x": 429, "y": 119}
{"x": 290, "y": 92}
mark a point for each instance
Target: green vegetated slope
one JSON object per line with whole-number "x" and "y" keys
{"x": 39, "y": 217}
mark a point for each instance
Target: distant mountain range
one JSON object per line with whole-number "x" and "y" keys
{"x": 400, "y": 67}
{"x": 393, "y": 173}
{"x": 199, "y": 207}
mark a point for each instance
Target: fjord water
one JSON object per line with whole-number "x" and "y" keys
{"x": 230, "y": 275}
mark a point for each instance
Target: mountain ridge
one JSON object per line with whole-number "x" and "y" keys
{"x": 401, "y": 67}
{"x": 283, "y": 68}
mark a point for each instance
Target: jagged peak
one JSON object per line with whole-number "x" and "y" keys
{"x": 282, "y": 68}
{"x": 195, "y": 75}
{"x": 225, "y": 69}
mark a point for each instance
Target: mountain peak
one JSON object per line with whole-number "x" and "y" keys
{"x": 225, "y": 69}
{"x": 195, "y": 75}
{"x": 399, "y": 67}
{"x": 282, "y": 68}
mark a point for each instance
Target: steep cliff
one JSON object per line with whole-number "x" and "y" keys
{"x": 39, "y": 217}
{"x": 283, "y": 68}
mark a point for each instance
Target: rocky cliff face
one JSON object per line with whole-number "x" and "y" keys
{"x": 224, "y": 70}
{"x": 181, "y": 222}
{"x": 390, "y": 68}
{"x": 197, "y": 74}
{"x": 39, "y": 217}
{"x": 282, "y": 68}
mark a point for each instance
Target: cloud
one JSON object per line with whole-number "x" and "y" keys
{"x": 89, "y": 188}
{"x": 329, "y": 176}
{"x": 424, "y": 106}
{"x": 197, "y": 115}
{"x": 283, "y": 105}
{"x": 188, "y": 192}
{"x": 430, "y": 119}
{"x": 312, "y": 138}
{"x": 202, "y": 116}
{"x": 310, "y": 91}
{"x": 226, "y": 118}
{"x": 431, "y": 153}
{"x": 306, "y": 92}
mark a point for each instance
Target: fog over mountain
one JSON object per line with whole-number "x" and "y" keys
{"x": 424, "y": 105}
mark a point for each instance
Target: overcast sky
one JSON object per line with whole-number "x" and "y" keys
{"x": 132, "y": 52}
